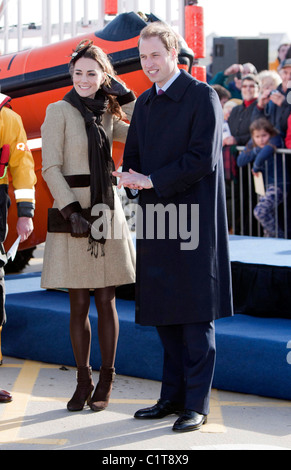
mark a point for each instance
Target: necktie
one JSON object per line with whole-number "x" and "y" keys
{"x": 161, "y": 92}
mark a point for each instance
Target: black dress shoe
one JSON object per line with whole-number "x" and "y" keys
{"x": 160, "y": 410}
{"x": 5, "y": 397}
{"x": 189, "y": 421}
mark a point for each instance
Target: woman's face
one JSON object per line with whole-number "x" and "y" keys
{"x": 249, "y": 90}
{"x": 87, "y": 77}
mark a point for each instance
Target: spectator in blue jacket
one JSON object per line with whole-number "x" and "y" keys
{"x": 265, "y": 139}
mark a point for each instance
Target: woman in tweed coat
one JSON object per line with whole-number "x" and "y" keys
{"x": 77, "y": 137}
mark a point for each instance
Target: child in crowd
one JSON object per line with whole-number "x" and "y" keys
{"x": 260, "y": 150}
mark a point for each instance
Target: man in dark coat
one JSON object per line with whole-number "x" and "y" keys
{"x": 173, "y": 157}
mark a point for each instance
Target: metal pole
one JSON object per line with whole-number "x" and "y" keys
{"x": 73, "y": 18}
{"x": 6, "y": 26}
{"x": 250, "y": 200}
{"x": 43, "y": 23}
{"x": 101, "y": 13}
{"x": 19, "y": 25}
{"x": 86, "y": 14}
{"x": 61, "y": 20}
{"x": 49, "y": 22}
{"x": 276, "y": 196}
{"x": 182, "y": 18}
{"x": 233, "y": 206}
{"x": 241, "y": 195}
{"x": 169, "y": 12}
{"x": 121, "y": 6}
{"x": 285, "y": 195}
{"x": 136, "y": 6}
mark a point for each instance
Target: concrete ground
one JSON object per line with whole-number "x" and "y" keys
{"x": 37, "y": 418}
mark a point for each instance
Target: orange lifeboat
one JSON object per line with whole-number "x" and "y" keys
{"x": 37, "y": 77}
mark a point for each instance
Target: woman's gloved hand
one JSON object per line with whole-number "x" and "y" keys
{"x": 120, "y": 90}
{"x": 79, "y": 226}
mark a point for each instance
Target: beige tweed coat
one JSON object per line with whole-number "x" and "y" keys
{"x": 67, "y": 261}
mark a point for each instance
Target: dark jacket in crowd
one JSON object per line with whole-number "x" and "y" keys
{"x": 277, "y": 115}
{"x": 239, "y": 122}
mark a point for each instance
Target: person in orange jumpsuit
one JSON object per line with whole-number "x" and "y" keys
{"x": 15, "y": 156}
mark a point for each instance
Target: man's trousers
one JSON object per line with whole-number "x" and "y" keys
{"x": 189, "y": 361}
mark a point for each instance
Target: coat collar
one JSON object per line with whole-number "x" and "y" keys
{"x": 4, "y": 100}
{"x": 175, "y": 91}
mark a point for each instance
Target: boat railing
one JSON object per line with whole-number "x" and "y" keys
{"x": 56, "y": 21}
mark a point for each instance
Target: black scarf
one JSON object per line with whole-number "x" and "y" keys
{"x": 100, "y": 160}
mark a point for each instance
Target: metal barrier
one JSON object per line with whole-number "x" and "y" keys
{"x": 243, "y": 199}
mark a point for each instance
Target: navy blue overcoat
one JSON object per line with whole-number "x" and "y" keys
{"x": 183, "y": 267}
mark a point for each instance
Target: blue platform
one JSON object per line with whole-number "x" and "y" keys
{"x": 253, "y": 353}
{"x": 38, "y": 329}
{"x": 273, "y": 252}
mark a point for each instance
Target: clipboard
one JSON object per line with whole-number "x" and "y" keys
{"x": 259, "y": 184}
{"x": 13, "y": 250}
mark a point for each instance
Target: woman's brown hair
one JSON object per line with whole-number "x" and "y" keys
{"x": 88, "y": 50}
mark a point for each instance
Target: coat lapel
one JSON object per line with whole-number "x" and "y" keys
{"x": 176, "y": 91}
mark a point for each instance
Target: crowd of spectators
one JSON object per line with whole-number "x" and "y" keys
{"x": 250, "y": 99}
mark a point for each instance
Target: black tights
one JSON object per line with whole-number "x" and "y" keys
{"x": 80, "y": 328}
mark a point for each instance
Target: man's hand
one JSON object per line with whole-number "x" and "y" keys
{"x": 229, "y": 140}
{"x": 132, "y": 180}
{"x": 263, "y": 99}
{"x": 24, "y": 228}
{"x": 277, "y": 98}
{"x": 234, "y": 68}
{"x": 256, "y": 173}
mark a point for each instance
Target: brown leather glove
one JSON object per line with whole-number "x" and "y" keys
{"x": 80, "y": 227}
{"x": 120, "y": 90}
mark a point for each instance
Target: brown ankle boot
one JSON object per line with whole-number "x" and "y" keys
{"x": 100, "y": 398}
{"x": 83, "y": 391}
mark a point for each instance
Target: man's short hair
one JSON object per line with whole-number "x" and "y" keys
{"x": 163, "y": 31}
{"x": 252, "y": 77}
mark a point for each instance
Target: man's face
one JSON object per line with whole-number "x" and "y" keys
{"x": 158, "y": 64}
{"x": 283, "y": 51}
{"x": 285, "y": 74}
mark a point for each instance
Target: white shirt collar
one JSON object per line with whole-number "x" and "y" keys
{"x": 169, "y": 82}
